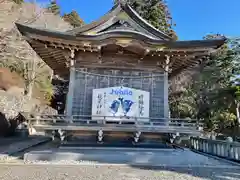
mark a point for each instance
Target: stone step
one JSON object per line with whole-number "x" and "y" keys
{"x": 116, "y": 144}
{"x": 21, "y": 144}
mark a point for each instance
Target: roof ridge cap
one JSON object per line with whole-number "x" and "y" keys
{"x": 122, "y": 2}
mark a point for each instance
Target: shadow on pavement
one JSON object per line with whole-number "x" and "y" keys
{"x": 178, "y": 161}
{"x": 213, "y": 173}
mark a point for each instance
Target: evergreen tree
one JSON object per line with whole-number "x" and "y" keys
{"x": 213, "y": 94}
{"x": 73, "y": 18}
{"x": 54, "y": 7}
{"x": 18, "y": 1}
{"x": 156, "y": 13}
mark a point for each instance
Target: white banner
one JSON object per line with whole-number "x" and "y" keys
{"x": 120, "y": 103}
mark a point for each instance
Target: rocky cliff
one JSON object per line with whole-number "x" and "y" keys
{"x": 15, "y": 50}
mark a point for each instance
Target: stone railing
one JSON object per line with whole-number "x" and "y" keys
{"x": 225, "y": 149}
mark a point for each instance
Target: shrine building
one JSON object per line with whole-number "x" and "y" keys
{"x": 118, "y": 66}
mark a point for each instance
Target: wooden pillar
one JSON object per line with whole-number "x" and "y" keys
{"x": 71, "y": 86}
{"x": 166, "y": 85}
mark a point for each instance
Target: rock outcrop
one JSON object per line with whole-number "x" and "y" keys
{"x": 9, "y": 125}
{"x": 14, "y": 107}
{"x": 10, "y": 79}
{"x": 10, "y": 112}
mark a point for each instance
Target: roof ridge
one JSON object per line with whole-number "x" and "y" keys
{"x": 122, "y": 5}
{"x": 146, "y": 22}
{"x": 123, "y": 2}
{"x": 95, "y": 21}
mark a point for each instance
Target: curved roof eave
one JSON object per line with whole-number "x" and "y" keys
{"x": 100, "y": 36}
{"x": 122, "y": 32}
{"x": 26, "y": 30}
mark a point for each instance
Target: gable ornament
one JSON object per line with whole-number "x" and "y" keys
{"x": 123, "y": 42}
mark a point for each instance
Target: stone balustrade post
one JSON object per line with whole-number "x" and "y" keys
{"x": 226, "y": 149}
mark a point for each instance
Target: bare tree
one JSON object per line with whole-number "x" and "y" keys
{"x": 15, "y": 51}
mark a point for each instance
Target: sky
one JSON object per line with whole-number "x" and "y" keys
{"x": 194, "y": 18}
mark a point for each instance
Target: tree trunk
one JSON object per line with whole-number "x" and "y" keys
{"x": 238, "y": 113}
{"x": 32, "y": 75}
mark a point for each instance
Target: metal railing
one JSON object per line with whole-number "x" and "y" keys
{"x": 88, "y": 119}
{"x": 228, "y": 150}
{"x": 108, "y": 123}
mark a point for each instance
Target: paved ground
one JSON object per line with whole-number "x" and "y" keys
{"x": 92, "y": 164}
{"x": 146, "y": 157}
{"x": 95, "y": 172}
{"x": 170, "y": 165}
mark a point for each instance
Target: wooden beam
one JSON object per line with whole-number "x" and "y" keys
{"x": 154, "y": 69}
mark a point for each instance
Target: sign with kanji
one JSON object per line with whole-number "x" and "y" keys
{"x": 119, "y": 103}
